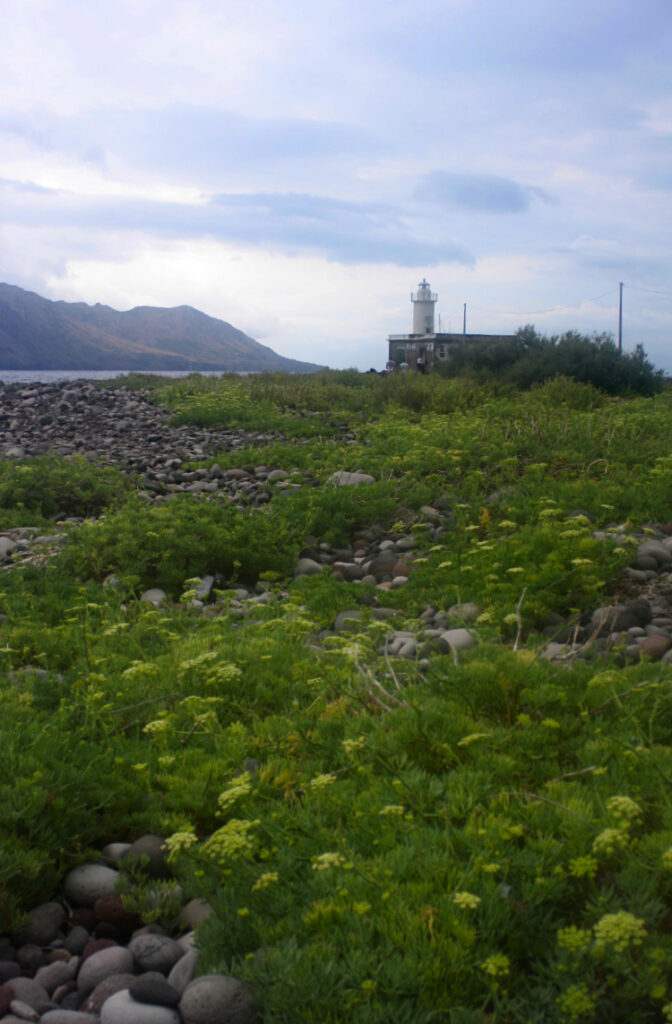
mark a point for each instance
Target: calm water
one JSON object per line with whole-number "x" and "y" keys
{"x": 48, "y": 376}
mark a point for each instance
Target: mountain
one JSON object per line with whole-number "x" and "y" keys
{"x": 38, "y": 334}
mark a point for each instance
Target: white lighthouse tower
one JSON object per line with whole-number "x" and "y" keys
{"x": 423, "y": 301}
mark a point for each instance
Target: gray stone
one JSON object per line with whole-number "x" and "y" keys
{"x": 466, "y": 612}
{"x": 43, "y": 925}
{"x": 6, "y": 547}
{"x": 27, "y": 990}
{"x": 407, "y": 649}
{"x": 115, "y": 852}
{"x": 121, "y": 1008}
{"x": 183, "y": 971}
{"x": 307, "y": 567}
{"x": 58, "y": 973}
{"x": 76, "y": 939}
{"x": 88, "y": 882}
{"x": 215, "y": 999}
{"x": 154, "y": 596}
{"x": 103, "y": 991}
{"x": 155, "y": 952}
{"x": 655, "y": 647}
{"x": 654, "y": 549}
{"x": 67, "y": 1017}
{"x": 23, "y": 1011}
{"x": 194, "y": 912}
{"x": 148, "y": 854}
{"x": 30, "y": 957}
{"x": 348, "y": 621}
{"x": 457, "y": 640}
{"x": 343, "y": 478}
{"x": 153, "y": 988}
{"x": 102, "y": 965}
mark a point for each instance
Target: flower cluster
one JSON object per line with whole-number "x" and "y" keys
{"x": 609, "y": 841}
{"x": 624, "y": 809}
{"x": 178, "y": 843}
{"x": 322, "y": 781}
{"x": 263, "y": 882}
{"x": 576, "y": 1002}
{"x": 328, "y": 860}
{"x": 583, "y": 867}
{"x": 497, "y": 965}
{"x": 574, "y": 940}
{"x": 237, "y": 790}
{"x": 618, "y": 931}
{"x": 230, "y": 842}
{"x": 467, "y": 900}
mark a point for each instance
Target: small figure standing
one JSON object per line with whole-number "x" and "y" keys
{"x": 389, "y": 366}
{"x": 420, "y": 364}
{"x": 403, "y": 366}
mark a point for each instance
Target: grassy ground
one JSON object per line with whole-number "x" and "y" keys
{"x": 483, "y": 840}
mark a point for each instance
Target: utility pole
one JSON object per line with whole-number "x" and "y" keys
{"x": 620, "y": 317}
{"x": 464, "y": 321}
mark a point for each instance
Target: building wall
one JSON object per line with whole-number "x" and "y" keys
{"x": 433, "y": 347}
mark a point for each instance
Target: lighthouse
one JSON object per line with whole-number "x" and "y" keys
{"x": 423, "y": 301}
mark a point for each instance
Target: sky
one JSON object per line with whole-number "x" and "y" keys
{"x": 298, "y": 168}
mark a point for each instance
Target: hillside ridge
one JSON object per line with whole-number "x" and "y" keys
{"x": 41, "y": 334}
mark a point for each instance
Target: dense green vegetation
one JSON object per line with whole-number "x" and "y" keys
{"x": 530, "y": 358}
{"x": 482, "y": 837}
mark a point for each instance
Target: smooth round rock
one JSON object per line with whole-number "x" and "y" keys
{"x": 76, "y": 939}
{"x": 654, "y": 647}
{"x": 58, "y": 973}
{"x": 466, "y": 612}
{"x": 44, "y": 923}
{"x": 23, "y": 1011}
{"x": 457, "y": 640}
{"x": 153, "y": 988}
{"x": 27, "y": 990}
{"x": 348, "y": 621}
{"x": 183, "y": 971}
{"x": 30, "y": 958}
{"x": 308, "y": 567}
{"x": 103, "y": 964}
{"x": 67, "y": 1017}
{"x": 102, "y": 992}
{"x": 148, "y": 854}
{"x": 88, "y": 883}
{"x": 342, "y": 478}
{"x": 194, "y": 912}
{"x": 114, "y": 852}
{"x": 121, "y": 1008}
{"x": 155, "y": 952}
{"x": 215, "y": 999}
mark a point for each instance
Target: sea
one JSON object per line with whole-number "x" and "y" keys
{"x": 49, "y": 376}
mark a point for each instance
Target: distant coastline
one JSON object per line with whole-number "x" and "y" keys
{"x": 52, "y": 376}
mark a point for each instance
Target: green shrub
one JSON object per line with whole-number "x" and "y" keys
{"x": 167, "y": 544}
{"x": 34, "y": 490}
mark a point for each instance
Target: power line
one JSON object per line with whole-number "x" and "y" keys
{"x": 538, "y": 312}
{"x": 651, "y": 291}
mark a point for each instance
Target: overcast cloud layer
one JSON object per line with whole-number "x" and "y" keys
{"x": 296, "y": 168}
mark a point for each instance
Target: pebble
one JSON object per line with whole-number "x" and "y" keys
{"x": 152, "y": 987}
{"x": 216, "y": 998}
{"x": 121, "y": 1008}
{"x": 67, "y": 1017}
{"x": 43, "y": 924}
{"x": 155, "y": 952}
{"x": 88, "y": 882}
